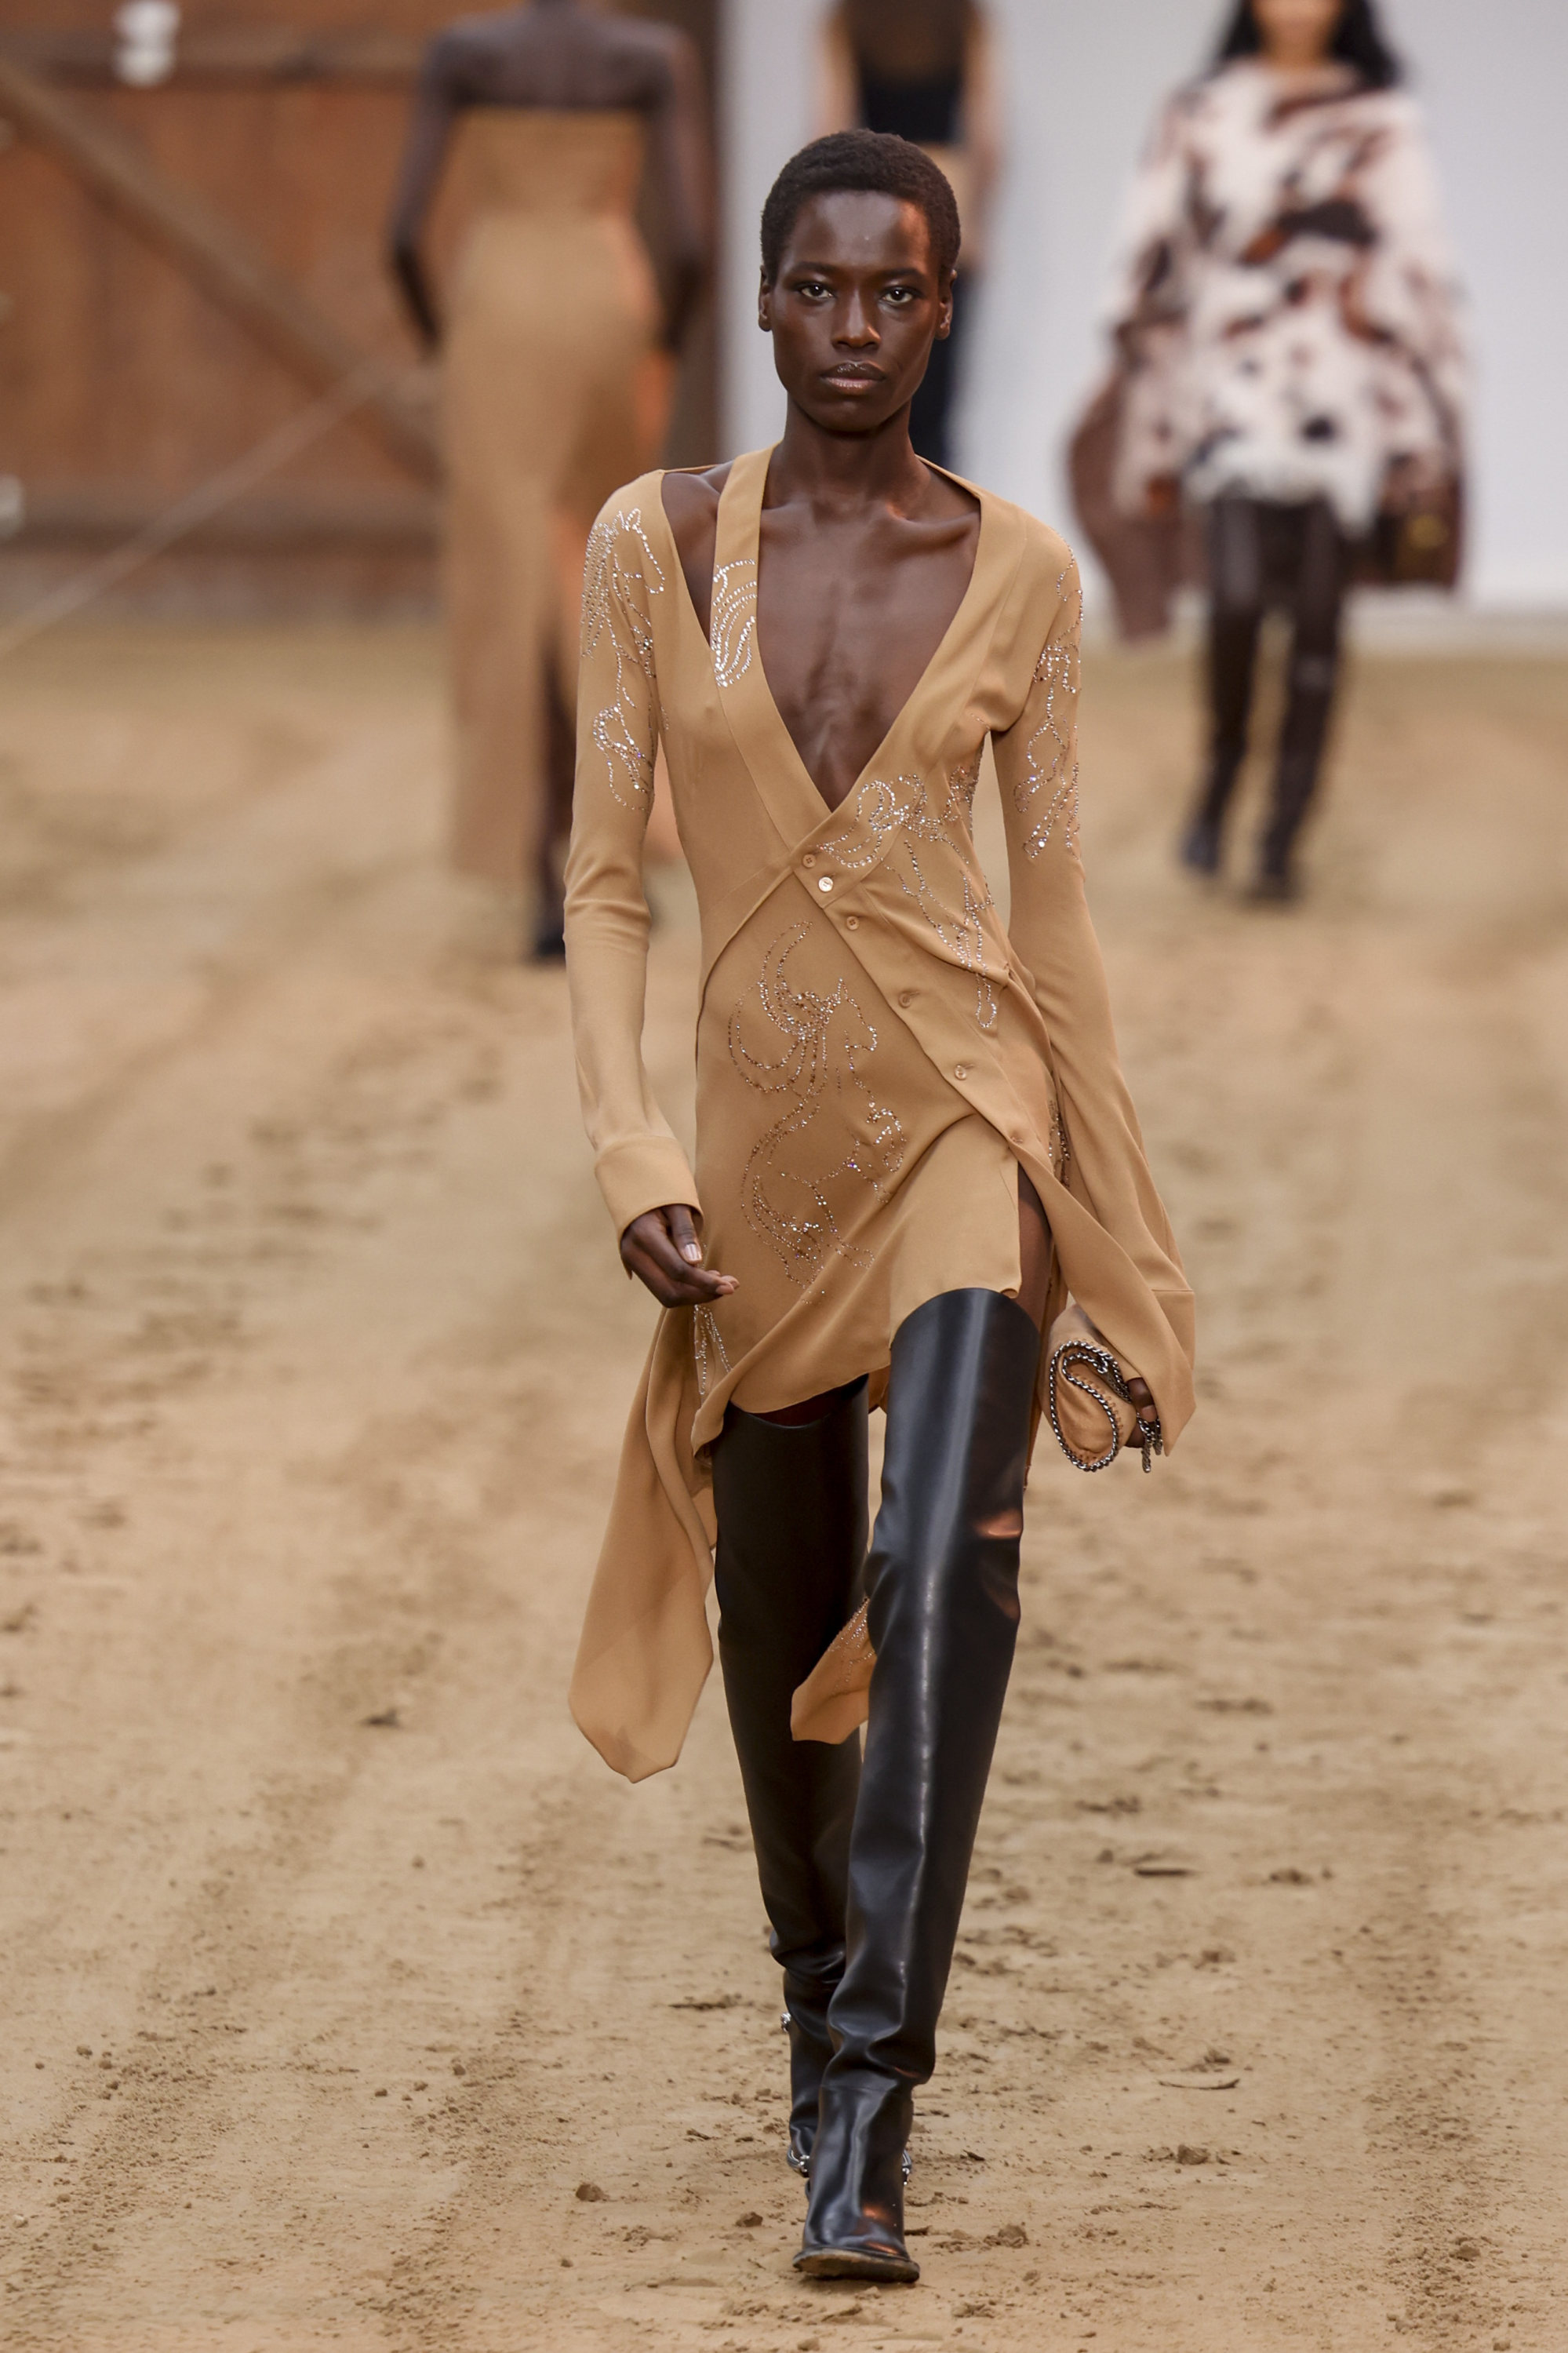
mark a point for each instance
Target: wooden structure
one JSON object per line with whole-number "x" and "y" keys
{"x": 184, "y": 266}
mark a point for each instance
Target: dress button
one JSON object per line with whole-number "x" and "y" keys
{"x": 824, "y": 881}
{"x": 851, "y": 923}
{"x": 810, "y": 858}
{"x": 961, "y": 1070}
{"x": 906, "y": 997}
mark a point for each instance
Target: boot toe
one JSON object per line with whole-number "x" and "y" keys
{"x": 1199, "y": 849}
{"x": 871, "y": 2258}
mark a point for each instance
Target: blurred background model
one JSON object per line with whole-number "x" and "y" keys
{"x": 1289, "y": 365}
{"x": 558, "y": 373}
{"x": 925, "y": 69}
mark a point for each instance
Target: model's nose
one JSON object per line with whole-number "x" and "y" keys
{"x": 855, "y": 325}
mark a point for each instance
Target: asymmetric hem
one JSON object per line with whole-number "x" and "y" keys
{"x": 875, "y": 1057}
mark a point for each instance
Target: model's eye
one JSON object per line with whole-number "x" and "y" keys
{"x": 813, "y": 289}
{"x": 902, "y": 295}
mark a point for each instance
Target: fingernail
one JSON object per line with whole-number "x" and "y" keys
{"x": 691, "y": 1251}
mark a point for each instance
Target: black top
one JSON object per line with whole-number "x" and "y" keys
{"x": 926, "y": 111}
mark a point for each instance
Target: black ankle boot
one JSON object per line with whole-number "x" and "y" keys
{"x": 791, "y": 1506}
{"x": 944, "y": 1617}
{"x": 1202, "y": 846}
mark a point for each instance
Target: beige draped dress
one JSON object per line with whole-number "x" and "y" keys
{"x": 553, "y": 391}
{"x": 876, "y": 1055}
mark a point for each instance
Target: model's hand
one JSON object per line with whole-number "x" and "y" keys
{"x": 1142, "y": 1397}
{"x": 662, "y": 1249}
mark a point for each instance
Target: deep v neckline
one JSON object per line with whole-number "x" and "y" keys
{"x": 735, "y": 640}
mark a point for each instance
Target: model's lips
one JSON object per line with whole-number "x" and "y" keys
{"x": 853, "y": 379}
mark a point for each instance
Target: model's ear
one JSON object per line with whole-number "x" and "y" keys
{"x": 945, "y": 285}
{"x": 764, "y": 304}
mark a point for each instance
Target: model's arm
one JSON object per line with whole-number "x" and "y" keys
{"x": 682, "y": 169}
{"x": 1053, "y": 938}
{"x": 430, "y": 130}
{"x": 642, "y": 1170}
{"x": 1145, "y": 288}
{"x": 1412, "y": 289}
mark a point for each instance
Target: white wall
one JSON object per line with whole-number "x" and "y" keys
{"x": 1083, "y": 78}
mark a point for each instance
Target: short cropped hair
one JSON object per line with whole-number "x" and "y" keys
{"x": 876, "y": 162}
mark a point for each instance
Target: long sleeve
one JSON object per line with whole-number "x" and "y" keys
{"x": 1054, "y": 941}
{"x": 637, "y": 1159}
{"x": 1412, "y": 292}
{"x": 1143, "y": 286}
{"x": 1146, "y": 315}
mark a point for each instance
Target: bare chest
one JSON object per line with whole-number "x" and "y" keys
{"x": 848, "y": 623}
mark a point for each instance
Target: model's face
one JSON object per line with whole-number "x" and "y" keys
{"x": 1297, "y": 32}
{"x": 855, "y": 309}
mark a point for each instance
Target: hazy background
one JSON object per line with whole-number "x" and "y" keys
{"x": 1081, "y": 85}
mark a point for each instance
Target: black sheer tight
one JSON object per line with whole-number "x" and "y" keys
{"x": 1261, "y": 557}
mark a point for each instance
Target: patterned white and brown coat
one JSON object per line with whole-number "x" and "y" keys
{"x": 1284, "y": 303}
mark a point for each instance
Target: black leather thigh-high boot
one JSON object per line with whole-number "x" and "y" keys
{"x": 791, "y": 1506}
{"x": 944, "y": 1617}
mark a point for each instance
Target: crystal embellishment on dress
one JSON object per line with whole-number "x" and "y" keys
{"x": 830, "y": 1136}
{"x": 1049, "y": 788}
{"x": 708, "y": 1354}
{"x": 733, "y": 619}
{"x": 620, "y": 573}
{"x": 936, "y": 865}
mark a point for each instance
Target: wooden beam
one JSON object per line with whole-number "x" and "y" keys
{"x": 217, "y": 257}
{"x": 266, "y": 54}
{"x": 290, "y": 519}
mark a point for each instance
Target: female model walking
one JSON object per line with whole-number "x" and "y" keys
{"x": 557, "y": 378}
{"x": 1289, "y": 363}
{"x": 927, "y": 70}
{"x": 912, "y": 1137}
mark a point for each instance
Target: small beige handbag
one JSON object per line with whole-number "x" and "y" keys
{"x": 1088, "y": 1398}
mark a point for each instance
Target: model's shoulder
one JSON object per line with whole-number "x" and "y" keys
{"x": 659, "y": 45}
{"x": 626, "y": 509}
{"x": 457, "y": 49}
{"x": 1395, "y": 109}
{"x": 631, "y": 534}
{"x": 690, "y": 494}
{"x": 1044, "y": 556}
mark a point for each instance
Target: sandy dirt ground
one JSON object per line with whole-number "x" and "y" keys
{"x": 348, "y": 1999}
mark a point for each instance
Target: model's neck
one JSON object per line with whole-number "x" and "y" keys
{"x": 1301, "y": 64}
{"x": 847, "y": 469}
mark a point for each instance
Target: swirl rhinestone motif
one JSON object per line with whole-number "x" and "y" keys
{"x": 732, "y": 619}
{"x": 902, "y": 807}
{"x": 620, "y": 574}
{"x": 809, "y": 1060}
{"x": 1048, "y": 789}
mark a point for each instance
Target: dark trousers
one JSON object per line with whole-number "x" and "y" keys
{"x": 1264, "y": 556}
